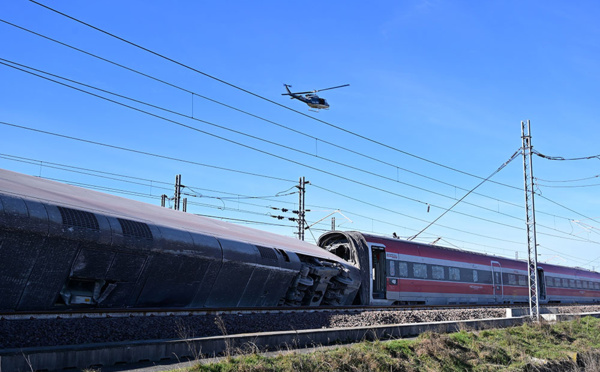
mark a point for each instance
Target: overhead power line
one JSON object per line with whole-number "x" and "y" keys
{"x": 240, "y": 88}
{"x": 567, "y": 186}
{"x": 238, "y": 132}
{"x": 259, "y": 96}
{"x": 567, "y": 208}
{"x": 373, "y": 174}
{"x": 333, "y": 174}
{"x": 272, "y": 122}
{"x": 565, "y": 159}
{"x": 243, "y": 145}
{"x": 565, "y": 181}
{"x": 168, "y": 186}
{"x": 146, "y": 153}
{"x": 250, "y": 114}
{"x": 127, "y": 179}
{"x": 467, "y": 194}
{"x": 153, "y": 183}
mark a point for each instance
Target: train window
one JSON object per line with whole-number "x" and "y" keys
{"x": 578, "y": 283}
{"x": 485, "y": 277}
{"x": 512, "y": 279}
{"x": 392, "y": 268}
{"x": 420, "y": 271}
{"x": 549, "y": 281}
{"x": 475, "y": 276}
{"x": 403, "y": 269}
{"x": 437, "y": 272}
{"x": 585, "y": 284}
{"x": 522, "y": 280}
{"x": 454, "y": 273}
{"x": 572, "y": 283}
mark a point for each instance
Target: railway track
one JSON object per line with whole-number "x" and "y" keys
{"x": 36, "y": 329}
{"x": 158, "y": 312}
{"x": 79, "y": 338}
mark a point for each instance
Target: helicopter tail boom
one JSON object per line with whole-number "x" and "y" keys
{"x": 287, "y": 87}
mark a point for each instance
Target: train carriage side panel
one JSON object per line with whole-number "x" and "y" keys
{"x": 65, "y": 246}
{"x": 421, "y": 273}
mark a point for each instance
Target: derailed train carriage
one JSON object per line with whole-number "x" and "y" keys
{"x": 404, "y": 272}
{"x": 65, "y": 247}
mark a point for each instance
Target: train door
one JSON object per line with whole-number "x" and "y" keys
{"x": 541, "y": 284}
{"x": 497, "y": 281}
{"x": 378, "y": 275}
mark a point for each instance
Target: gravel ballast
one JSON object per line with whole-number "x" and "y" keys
{"x": 53, "y": 332}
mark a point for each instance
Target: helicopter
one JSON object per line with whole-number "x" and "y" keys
{"x": 310, "y": 98}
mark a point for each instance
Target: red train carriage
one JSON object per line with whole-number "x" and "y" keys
{"x": 404, "y": 272}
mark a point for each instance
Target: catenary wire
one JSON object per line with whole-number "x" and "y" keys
{"x": 152, "y": 182}
{"x": 259, "y": 150}
{"x": 412, "y": 199}
{"x": 255, "y": 116}
{"x": 565, "y": 181}
{"x": 262, "y": 97}
{"x": 564, "y": 159}
{"x": 195, "y": 163}
{"x": 294, "y": 130}
{"x": 517, "y": 153}
{"x": 264, "y": 140}
{"x": 146, "y": 153}
{"x": 186, "y": 66}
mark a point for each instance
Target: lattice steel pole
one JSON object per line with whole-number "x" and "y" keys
{"x": 177, "y": 197}
{"x": 301, "y": 208}
{"x": 534, "y": 308}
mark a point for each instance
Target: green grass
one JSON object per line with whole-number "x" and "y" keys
{"x": 530, "y": 347}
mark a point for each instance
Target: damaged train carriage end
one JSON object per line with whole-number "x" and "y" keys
{"x": 63, "y": 246}
{"x": 352, "y": 248}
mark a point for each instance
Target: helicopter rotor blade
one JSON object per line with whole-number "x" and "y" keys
{"x": 288, "y": 94}
{"x": 339, "y": 86}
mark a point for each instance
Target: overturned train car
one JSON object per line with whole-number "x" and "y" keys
{"x": 66, "y": 247}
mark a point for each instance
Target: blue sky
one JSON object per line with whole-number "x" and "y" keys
{"x": 448, "y": 82}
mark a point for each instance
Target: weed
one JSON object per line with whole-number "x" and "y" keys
{"x": 530, "y": 347}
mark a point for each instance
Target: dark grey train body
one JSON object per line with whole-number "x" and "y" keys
{"x": 66, "y": 247}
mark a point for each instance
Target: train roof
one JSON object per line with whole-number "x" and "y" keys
{"x": 60, "y": 194}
